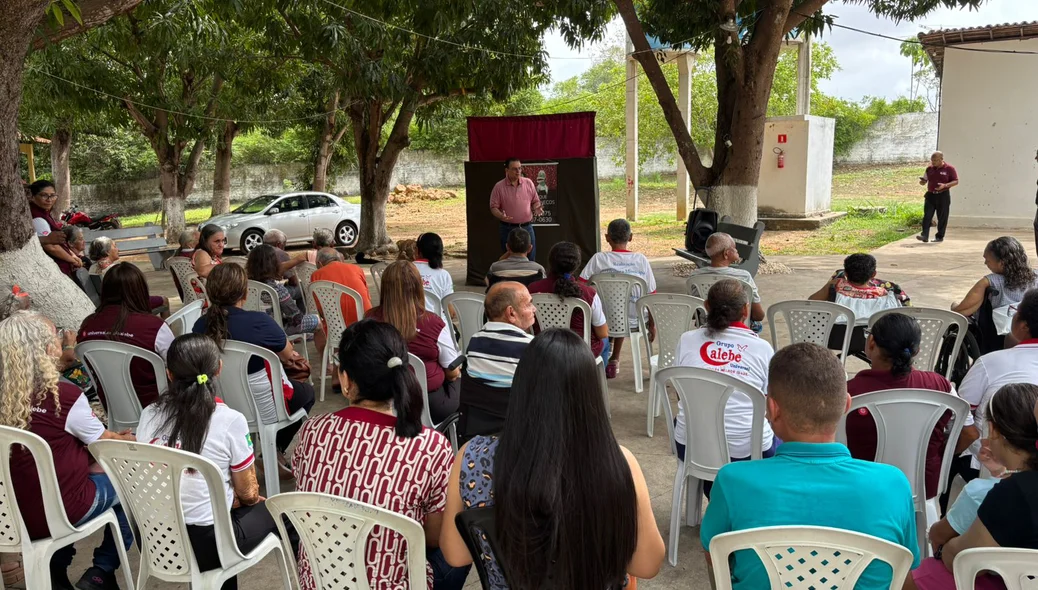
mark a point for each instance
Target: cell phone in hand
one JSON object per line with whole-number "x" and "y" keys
{"x": 457, "y": 363}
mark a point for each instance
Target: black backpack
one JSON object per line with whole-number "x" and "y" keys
{"x": 701, "y": 224}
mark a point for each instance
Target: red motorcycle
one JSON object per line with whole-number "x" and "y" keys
{"x": 73, "y": 216}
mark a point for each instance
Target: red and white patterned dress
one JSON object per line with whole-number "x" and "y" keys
{"x": 355, "y": 453}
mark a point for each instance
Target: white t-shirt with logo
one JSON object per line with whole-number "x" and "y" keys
{"x": 436, "y": 281}
{"x": 628, "y": 263}
{"x": 227, "y": 443}
{"x": 737, "y": 352}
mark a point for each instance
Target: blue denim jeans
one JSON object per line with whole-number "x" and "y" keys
{"x": 606, "y": 349}
{"x": 506, "y": 228}
{"x": 446, "y": 576}
{"x": 106, "y": 556}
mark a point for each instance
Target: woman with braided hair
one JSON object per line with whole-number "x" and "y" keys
{"x": 32, "y": 398}
{"x": 564, "y": 263}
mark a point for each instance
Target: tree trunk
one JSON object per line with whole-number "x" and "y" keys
{"x": 222, "y": 174}
{"x": 375, "y": 167}
{"x": 22, "y": 260}
{"x": 59, "y": 152}
{"x": 374, "y": 238}
{"x": 325, "y": 145}
{"x": 172, "y": 201}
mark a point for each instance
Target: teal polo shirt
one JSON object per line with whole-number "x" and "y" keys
{"x": 811, "y": 484}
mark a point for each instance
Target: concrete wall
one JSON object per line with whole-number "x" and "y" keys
{"x": 414, "y": 167}
{"x": 803, "y": 187}
{"x": 898, "y": 139}
{"x": 988, "y": 132}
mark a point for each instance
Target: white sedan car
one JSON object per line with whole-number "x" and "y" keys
{"x": 296, "y": 214}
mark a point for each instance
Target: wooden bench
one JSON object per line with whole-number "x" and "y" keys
{"x": 747, "y": 242}
{"x": 149, "y": 239}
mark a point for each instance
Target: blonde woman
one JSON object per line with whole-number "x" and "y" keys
{"x": 33, "y": 399}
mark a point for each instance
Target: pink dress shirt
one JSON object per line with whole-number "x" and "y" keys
{"x": 517, "y": 202}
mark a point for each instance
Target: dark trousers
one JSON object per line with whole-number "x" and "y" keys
{"x": 939, "y": 203}
{"x": 251, "y": 525}
{"x": 445, "y": 400}
{"x": 506, "y": 228}
{"x": 303, "y": 397}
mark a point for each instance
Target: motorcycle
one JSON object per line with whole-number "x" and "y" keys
{"x": 73, "y": 216}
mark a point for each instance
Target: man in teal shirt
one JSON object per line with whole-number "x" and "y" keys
{"x": 812, "y": 480}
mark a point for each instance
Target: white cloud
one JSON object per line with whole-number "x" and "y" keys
{"x": 871, "y": 66}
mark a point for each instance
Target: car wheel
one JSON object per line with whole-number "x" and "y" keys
{"x": 251, "y": 239}
{"x": 346, "y": 234}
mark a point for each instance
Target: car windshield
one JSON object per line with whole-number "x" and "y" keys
{"x": 256, "y": 205}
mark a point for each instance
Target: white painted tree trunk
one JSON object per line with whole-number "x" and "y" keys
{"x": 740, "y": 202}
{"x": 53, "y": 294}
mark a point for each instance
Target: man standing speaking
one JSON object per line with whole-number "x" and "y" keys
{"x": 939, "y": 179}
{"x": 514, "y": 202}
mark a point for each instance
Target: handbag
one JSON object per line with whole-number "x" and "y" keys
{"x": 297, "y": 369}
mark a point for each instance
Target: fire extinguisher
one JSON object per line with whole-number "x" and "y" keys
{"x": 781, "y": 157}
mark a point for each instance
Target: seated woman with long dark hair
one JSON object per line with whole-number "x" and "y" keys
{"x": 570, "y": 503}
{"x": 1008, "y": 515}
{"x": 564, "y": 261}
{"x": 377, "y": 451}
{"x": 1011, "y": 276}
{"x": 428, "y": 337}
{"x": 263, "y": 266}
{"x": 892, "y": 344}
{"x": 124, "y": 316}
{"x": 225, "y": 320}
{"x": 190, "y": 417}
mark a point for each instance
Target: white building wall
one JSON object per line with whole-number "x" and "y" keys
{"x": 989, "y": 132}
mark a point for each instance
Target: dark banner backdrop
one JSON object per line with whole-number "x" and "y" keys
{"x": 558, "y": 155}
{"x": 573, "y": 217}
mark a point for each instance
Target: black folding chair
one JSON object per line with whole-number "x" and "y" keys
{"x": 478, "y": 529}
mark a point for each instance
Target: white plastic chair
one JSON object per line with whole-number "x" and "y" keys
{"x": 333, "y": 532}
{"x": 254, "y": 301}
{"x": 184, "y": 319}
{"x": 809, "y": 556}
{"x": 108, "y": 364}
{"x": 933, "y": 323}
{"x": 329, "y": 295}
{"x": 376, "y": 276}
{"x": 148, "y": 481}
{"x": 617, "y": 291}
{"x": 905, "y": 420}
{"x": 554, "y": 311}
{"x": 304, "y": 272}
{"x": 239, "y": 260}
{"x": 698, "y": 285}
{"x": 1018, "y": 568}
{"x": 234, "y": 385}
{"x": 470, "y": 312}
{"x": 703, "y": 394}
{"x": 811, "y": 321}
{"x": 185, "y": 273}
{"x": 14, "y": 537}
{"x": 438, "y": 308}
{"x": 451, "y": 424}
{"x": 674, "y": 315}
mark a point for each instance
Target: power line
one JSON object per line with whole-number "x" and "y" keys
{"x": 192, "y": 115}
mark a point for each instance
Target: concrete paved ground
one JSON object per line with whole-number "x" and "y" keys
{"x": 934, "y": 275}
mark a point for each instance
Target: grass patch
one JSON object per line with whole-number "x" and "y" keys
{"x": 856, "y": 232}
{"x": 191, "y": 216}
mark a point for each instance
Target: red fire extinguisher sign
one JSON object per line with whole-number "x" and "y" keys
{"x": 782, "y": 138}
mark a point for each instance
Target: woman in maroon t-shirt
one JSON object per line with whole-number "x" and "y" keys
{"x": 58, "y": 412}
{"x": 893, "y": 342}
{"x": 427, "y": 335}
{"x": 564, "y": 261}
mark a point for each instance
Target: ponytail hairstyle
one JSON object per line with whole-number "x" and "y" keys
{"x": 187, "y": 406}
{"x": 430, "y": 246}
{"x": 727, "y": 301}
{"x": 564, "y": 259}
{"x": 227, "y": 285}
{"x": 1011, "y": 412}
{"x": 373, "y": 355}
{"x": 897, "y": 336}
{"x": 556, "y": 452}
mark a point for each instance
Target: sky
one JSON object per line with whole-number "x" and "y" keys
{"x": 863, "y": 59}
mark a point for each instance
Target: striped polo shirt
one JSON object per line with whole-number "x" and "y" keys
{"x": 494, "y": 352}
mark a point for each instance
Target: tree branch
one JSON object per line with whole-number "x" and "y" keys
{"x": 801, "y": 13}
{"x": 149, "y": 128}
{"x": 93, "y": 13}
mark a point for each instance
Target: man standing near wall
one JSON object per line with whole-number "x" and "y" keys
{"x": 514, "y": 202}
{"x": 939, "y": 179}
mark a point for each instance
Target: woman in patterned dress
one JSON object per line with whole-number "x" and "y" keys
{"x": 376, "y": 451}
{"x": 592, "y": 526}
{"x": 263, "y": 267}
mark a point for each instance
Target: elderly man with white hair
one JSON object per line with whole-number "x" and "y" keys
{"x": 720, "y": 247}
{"x": 330, "y": 267}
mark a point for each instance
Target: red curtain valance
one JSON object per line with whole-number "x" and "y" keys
{"x": 537, "y": 137}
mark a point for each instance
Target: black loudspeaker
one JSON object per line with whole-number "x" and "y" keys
{"x": 701, "y": 223}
